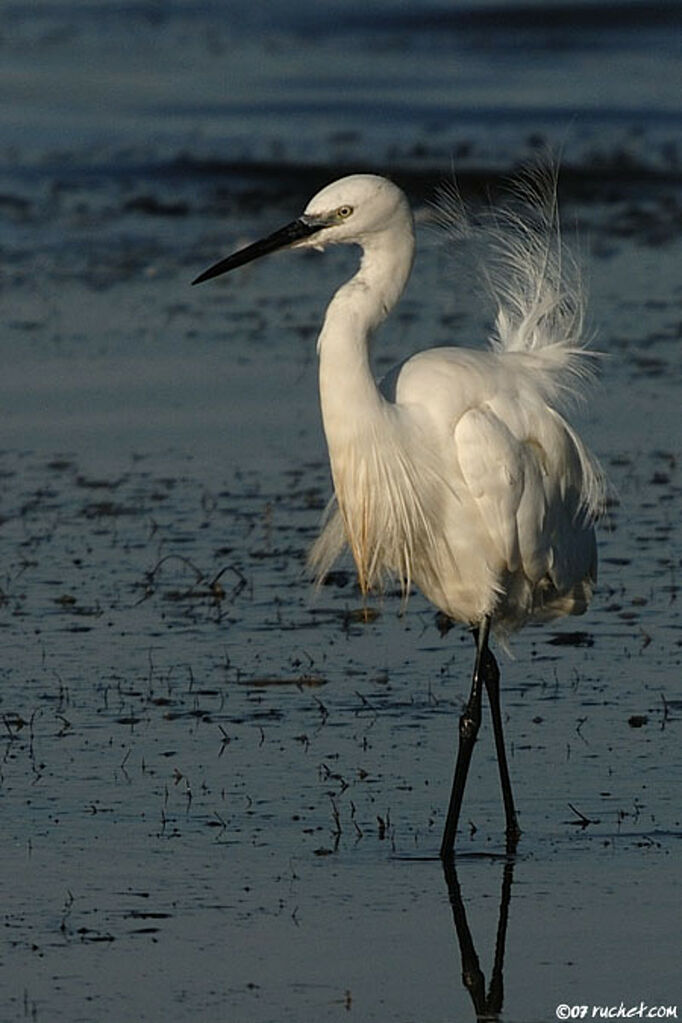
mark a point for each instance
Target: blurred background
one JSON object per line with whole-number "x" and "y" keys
{"x": 139, "y": 140}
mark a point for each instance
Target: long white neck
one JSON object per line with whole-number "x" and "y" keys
{"x": 348, "y": 392}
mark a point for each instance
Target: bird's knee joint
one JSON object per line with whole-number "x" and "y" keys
{"x": 469, "y": 725}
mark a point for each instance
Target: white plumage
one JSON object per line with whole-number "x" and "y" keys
{"x": 466, "y": 479}
{"x": 458, "y": 474}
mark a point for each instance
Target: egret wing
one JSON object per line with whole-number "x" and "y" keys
{"x": 492, "y": 465}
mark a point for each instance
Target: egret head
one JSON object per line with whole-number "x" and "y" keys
{"x": 350, "y": 210}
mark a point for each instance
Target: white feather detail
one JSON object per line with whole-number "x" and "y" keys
{"x": 463, "y": 477}
{"x": 532, "y": 278}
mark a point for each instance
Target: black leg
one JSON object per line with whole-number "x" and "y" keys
{"x": 486, "y": 672}
{"x": 491, "y": 678}
{"x": 469, "y": 724}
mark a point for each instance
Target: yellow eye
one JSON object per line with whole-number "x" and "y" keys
{"x": 344, "y": 212}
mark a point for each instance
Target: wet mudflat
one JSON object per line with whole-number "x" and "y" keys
{"x": 222, "y": 794}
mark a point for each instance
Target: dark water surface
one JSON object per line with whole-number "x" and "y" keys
{"x": 221, "y": 795}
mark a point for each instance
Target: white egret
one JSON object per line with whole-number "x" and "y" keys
{"x": 457, "y": 473}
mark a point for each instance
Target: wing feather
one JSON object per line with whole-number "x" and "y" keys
{"x": 491, "y": 462}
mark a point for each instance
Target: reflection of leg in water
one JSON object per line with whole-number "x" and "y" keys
{"x": 486, "y": 1006}
{"x": 486, "y": 672}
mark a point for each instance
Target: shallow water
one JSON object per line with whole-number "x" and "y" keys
{"x": 222, "y": 795}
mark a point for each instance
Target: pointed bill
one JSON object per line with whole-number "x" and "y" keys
{"x": 294, "y": 232}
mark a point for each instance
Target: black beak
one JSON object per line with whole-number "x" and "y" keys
{"x": 293, "y": 232}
